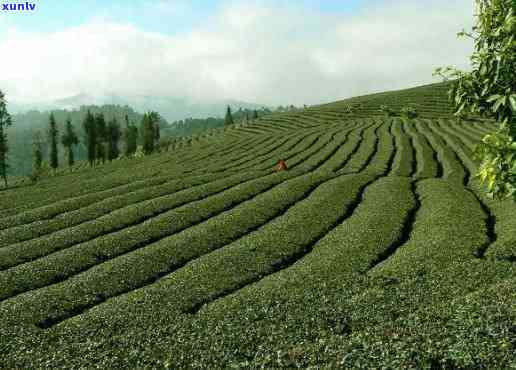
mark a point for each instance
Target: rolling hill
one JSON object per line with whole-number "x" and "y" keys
{"x": 377, "y": 248}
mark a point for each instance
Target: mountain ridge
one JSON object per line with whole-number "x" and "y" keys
{"x": 170, "y": 107}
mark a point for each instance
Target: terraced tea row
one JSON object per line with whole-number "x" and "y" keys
{"x": 378, "y": 229}
{"x": 55, "y": 209}
{"x": 404, "y": 161}
{"x": 80, "y": 248}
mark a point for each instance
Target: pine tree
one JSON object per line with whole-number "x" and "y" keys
{"x": 157, "y": 135}
{"x": 37, "y": 153}
{"x": 148, "y": 125}
{"x": 52, "y": 138}
{"x": 101, "y": 127}
{"x": 255, "y": 114}
{"x": 5, "y": 121}
{"x": 90, "y": 128}
{"x": 131, "y": 137}
{"x": 69, "y": 139}
{"x": 229, "y": 117}
{"x": 146, "y": 145}
{"x": 114, "y": 135}
{"x": 148, "y": 133}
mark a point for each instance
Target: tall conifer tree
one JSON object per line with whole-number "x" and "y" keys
{"x": 37, "y": 153}
{"x": 90, "y": 129}
{"x": 131, "y": 137}
{"x": 149, "y": 122}
{"x": 148, "y": 134}
{"x": 101, "y": 137}
{"x": 69, "y": 140}
{"x": 229, "y": 117}
{"x": 157, "y": 135}
{"x": 114, "y": 135}
{"x": 5, "y": 121}
{"x": 52, "y": 138}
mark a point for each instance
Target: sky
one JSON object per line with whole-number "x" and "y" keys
{"x": 267, "y": 52}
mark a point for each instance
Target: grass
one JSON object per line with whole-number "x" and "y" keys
{"x": 376, "y": 249}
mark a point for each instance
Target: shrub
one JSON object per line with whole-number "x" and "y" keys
{"x": 409, "y": 112}
{"x": 388, "y": 111}
{"x": 139, "y": 152}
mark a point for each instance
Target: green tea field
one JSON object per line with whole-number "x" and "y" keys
{"x": 377, "y": 248}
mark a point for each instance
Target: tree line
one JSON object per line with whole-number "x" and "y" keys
{"x": 190, "y": 127}
{"x": 103, "y": 140}
{"x": 33, "y": 125}
{"x": 246, "y": 116}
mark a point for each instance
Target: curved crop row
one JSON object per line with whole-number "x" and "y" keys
{"x": 199, "y": 157}
{"x": 270, "y": 124}
{"x": 252, "y": 130}
{"x": 84, "y": 198}
{"x": 384, "y": 210}
{"x": 403, "y": 164}
{"x": 288, "y": 124}
{"x": 298, "y": 154}
{"x": 499, "y": 214}
{"x": 28, "y": 251}
{"x": 248, "y": 161}
{"x": 229, "y": 161}
{"x": 96, "y": 210}
{"x": 458, "y": 230}
{"x": 47, "y": 191}
{"x": 189, "y": 156}
{"x": 54, "y": 209}
{"x": 65, "y": 263}
{"x": 365, "y": 151}
{"x": 466, "y": 145}
{"x": 463, "y": 154}
{"x": 153, "y": 210}
{"x": 219, "y": 161}
{"x": 295, "y": 142}
{"x": 427, "y": 166}
{"x": 345, "y": 151}
{"x": 291, "y": 124}
{"x": 74, "y": 186}
{"x": 474, "y": 128}
{"x": 270, "y": 248}
{"x": 173, "y": 252}
{"x": 328, "y": 151}
{"x": 462, "y": 130}
{"x": 453, "y": 170}
{"x": 381, "y": 161}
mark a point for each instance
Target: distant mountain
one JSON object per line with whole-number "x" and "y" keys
{"x": 171, "y": 108}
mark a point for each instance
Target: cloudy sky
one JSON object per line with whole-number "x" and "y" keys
{"x": 268, "y": 52}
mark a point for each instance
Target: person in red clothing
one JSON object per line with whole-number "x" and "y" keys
{"x": 282, "y": 165}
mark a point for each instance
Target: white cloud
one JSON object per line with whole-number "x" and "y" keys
{"x": 250, "y": 52}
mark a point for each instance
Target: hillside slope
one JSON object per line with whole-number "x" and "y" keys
{"x": 377, "y": 248}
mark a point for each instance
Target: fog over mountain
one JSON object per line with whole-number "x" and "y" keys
{"x": 171, "y": 108}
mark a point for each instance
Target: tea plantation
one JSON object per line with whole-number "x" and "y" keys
{"x": 376, "y": 249}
